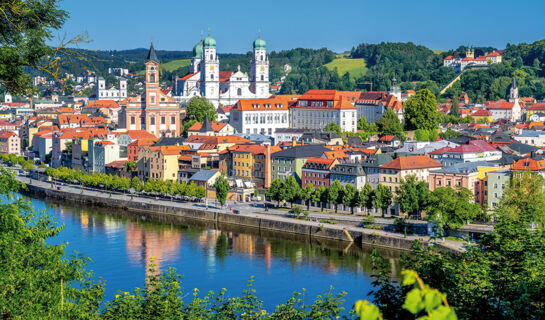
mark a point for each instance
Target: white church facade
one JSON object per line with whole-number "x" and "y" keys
{"x": 111, "y": 92}
{"x": 224, "y": 87}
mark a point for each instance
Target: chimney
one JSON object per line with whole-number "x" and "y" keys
{"x": 267, "y": 166}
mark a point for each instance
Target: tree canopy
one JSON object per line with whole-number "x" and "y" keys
{"x": 421, "y": 111}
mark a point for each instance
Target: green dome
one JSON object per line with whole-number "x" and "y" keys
{"x": 197, "y": 50}
{"x": 260, "y": 43}
{"x": 209, "y": 42}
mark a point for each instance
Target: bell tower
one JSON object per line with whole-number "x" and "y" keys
{"x": 152, "y": 78}
{"x": 259, "y": 80}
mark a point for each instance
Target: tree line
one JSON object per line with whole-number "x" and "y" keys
{"x": 117, "y": 183}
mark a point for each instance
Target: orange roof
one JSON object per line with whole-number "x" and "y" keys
{"x": 142, "y": 142}
{"x": 105, "y": 143}
{"x": 387, "y": 138}
{"x": 216, "y": 126}
{"x": 411, "y": 162}
{"x": 341, "y": 99}
{"x": 500, "y": 104}
{"x": 4, "y": 134}
{"x": 494, "y": 54}
{"x": 253, "y": 148}
{"x": 448, "y": 58}
{"x": 66, "y": 110}
{"x": 533, "y": 124}
{"x": 187, "y": 76}
{"x": 332, "y": 155}
{"x": 102, "y": 104}
{"x": 225, "y": 75}
{"x": 540, "y": 106}
{"x": 213, "y": 140}
{"x": 481, "y": 113}
{"x": 117, "y": 164}
{"x": 169, "y": 150}
{"x": 528, "y": 164}
{"x": 139, "y": 134}
{"x": 312, "y": 161}
{"x": 185, "y": 158}
{"x": 270, "y": 104}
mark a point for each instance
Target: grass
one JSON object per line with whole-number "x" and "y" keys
{"x": 171, "y": 65}
{"x": 355, "y": 67}
{"x": 438, "y": 51}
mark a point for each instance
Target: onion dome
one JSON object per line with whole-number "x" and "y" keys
{"x": 260, "y": 43}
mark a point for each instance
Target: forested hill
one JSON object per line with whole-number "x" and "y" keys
{"x": 414, "y": 67}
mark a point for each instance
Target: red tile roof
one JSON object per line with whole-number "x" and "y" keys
{"x": 472, "y": 146}
{"x": 225, "y": 75}
{"x": 187, "y": 76}
{"x": 261, "y": 104}
{"x": 481, "y": 113}
{"x": 323, "y": 164}
{"x": 4, "y": 134}
{"x": 540, "y": 106}
{"x": 528, "y": 164}
{"x": 216, "y": 126}
{"x": 500, "y": 104}
{"x": 139, "y": 134}
{"x": 411, "y": 162}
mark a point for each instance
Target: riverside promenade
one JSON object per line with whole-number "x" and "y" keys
{"x": 251, "y": 217}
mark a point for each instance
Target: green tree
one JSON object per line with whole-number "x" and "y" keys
{"x": 291, "y": 191}
{"x": 451, "y": 208}
{"x": 382, "y": 198}
{"x": 366, "y": 196}
{"x": 275, "y": 190}
{"x": 335, "y": 193}
{"x": 362, "y": 124}
{"x": 412, "y": 195}
{"x": 421, "y": 111}
{"x": 222, "y": 188}
{"x": 421, "y": 135}
{"x": 199, "y": 108}
{"x": 389, "y": 123}
{"x": 322, "y": 192}
{"x": 307, "y": 194}
{"x": 455, "y": 108}
{"x": 333, "y": 127}
{"x": 27, "y": 26}
{"x": 351, "y": 197}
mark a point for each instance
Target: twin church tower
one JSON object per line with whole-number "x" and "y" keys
{"x": 224, "y": 87}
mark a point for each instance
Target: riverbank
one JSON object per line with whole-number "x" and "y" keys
{"x": 180, "y": 212}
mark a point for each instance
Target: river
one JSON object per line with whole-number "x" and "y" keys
{"x": 209, "y": 259}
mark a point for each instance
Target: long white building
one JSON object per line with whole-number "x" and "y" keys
{"x": 263, "y": 116}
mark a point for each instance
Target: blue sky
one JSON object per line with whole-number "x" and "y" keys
{"x": 338, "y": 25}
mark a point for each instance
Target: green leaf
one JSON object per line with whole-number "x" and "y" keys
{"x": 413, "y": 301}
{"x": 443, "y": 313}
{"x": 409, "y": 277}
{"x": 367, "y": 310}
{"x": 432, "y": 300}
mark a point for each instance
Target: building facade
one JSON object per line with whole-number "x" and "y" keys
{"x": 153, "y": 111}
{"x": 224, "y": 87}
{"x": 262, "y": 116}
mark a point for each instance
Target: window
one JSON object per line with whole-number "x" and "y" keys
{"x": 133, "y": 120}
{"x": 239, "y": 92}
{"x": 152, "y": 121}
{"x": 152, "y": 77}
{"x": 262, "y": 78}
{"x": 212, "y": 76}
{"x": 211, "y": 57}
{"x": 172, "y": 120}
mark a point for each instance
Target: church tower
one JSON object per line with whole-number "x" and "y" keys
{"x": 210, "y": 71}
{"x": 197, "y": 57}
{"x": 514, "y": 91}
{"x": 152, "y": 78}
{"x": 259, "y": 81}
{"x": 395, "y": 90}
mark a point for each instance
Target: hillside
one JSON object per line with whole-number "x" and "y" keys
{"x": 355, "y": 67}
{"x": 171, "y": 66}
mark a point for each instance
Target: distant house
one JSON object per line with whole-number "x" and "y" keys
{"x": 534, "y": 138}
{"x": 349, "y": 173}
{"x": 208, "y": 128}
{"x": 473, "y": 151}
{"x": 289, "y": 162}
{"x": 394, "y": 172}
{"x": 316, "y": 171}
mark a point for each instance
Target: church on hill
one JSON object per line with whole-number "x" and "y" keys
{"x": 224, "y": 87}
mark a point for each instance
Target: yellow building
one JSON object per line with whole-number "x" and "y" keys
{"x": 159, "y": 162}
{"x": 392, "y": 173}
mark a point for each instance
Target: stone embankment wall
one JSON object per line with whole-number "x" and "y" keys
{"x": 264, "y": 223}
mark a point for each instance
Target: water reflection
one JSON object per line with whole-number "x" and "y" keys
{"x": 212, "y": 257}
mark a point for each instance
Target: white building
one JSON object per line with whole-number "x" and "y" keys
{"x": 533, "y": 138}
{"x": 317, "y": 108}
{"x": 263, "y": 116}
{"x": 224, "y": 87}
{"x": 111, "y": 92}
{"x": 507, "y": 110}
{"x": 459, "y": 64}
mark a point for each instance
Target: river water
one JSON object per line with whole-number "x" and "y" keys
{"x": 210, "y": 259}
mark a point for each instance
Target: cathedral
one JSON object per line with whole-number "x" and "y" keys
{"x": 223, "y": 87}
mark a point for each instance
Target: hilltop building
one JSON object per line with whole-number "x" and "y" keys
{"x": 224, "y": 87}
{"x": 459, "y": 64}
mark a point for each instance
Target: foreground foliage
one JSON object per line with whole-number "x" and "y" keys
{"x": 40, "y": 281}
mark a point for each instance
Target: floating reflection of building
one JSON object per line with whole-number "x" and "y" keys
{"x": 147, "y": 244}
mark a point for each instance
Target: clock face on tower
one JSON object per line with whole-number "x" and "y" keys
{"x": 262, "y": 68}
{"x": 211, "y": 68}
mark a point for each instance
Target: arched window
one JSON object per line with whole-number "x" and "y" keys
{"x": 211, "y": 57}
{"x": 262, "y": 78}
{"x": 212, "y": 76}
{"x": 262, "y": 58}
{"x": 152, "y": 77}
{"x": 239, "y": 91}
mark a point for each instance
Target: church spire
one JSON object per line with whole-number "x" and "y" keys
{"x": 152, "y": 56}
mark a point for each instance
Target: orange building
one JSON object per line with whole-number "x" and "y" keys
{"x": 154, "y": 111}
